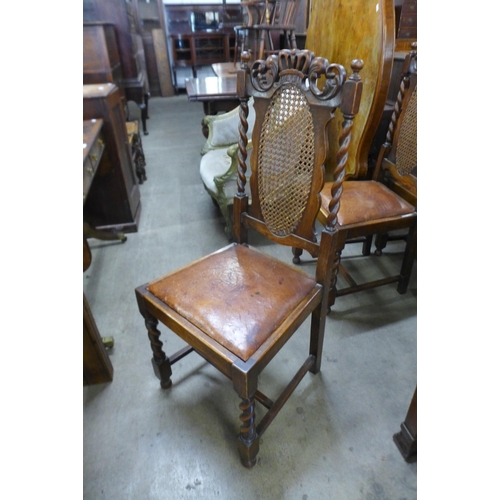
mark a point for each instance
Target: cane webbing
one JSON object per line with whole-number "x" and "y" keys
{"x": 406, "y": 149}
{"x": 285, "y": 160}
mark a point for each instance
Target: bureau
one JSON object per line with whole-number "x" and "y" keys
{"x": 93, "y": 147}
{"x": 112, "y": 202}
{"x": 97, "y": 367}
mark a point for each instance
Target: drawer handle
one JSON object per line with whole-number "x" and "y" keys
{"x": 93, "y": 157}
{"x": 90, "y": 170}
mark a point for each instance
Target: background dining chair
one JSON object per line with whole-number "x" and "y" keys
{"x": 387, "y": 202}
{"x": 269, "y": 26}
{"x": 238, "y": 306}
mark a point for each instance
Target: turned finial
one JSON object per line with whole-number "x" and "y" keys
{"x": 357, "y": 65}
{"x": 245, "y": 58}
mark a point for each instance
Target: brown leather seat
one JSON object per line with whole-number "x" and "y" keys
{"x": 238, "y": 296}
{"x": 238, "y": 306}
{"x": 364, "y": 201}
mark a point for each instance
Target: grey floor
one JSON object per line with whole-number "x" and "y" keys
{"x": 333, "y": 438}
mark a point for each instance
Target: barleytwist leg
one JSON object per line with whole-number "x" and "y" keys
{"x": 160, "y": 362}
{"x": 248, "y": 442}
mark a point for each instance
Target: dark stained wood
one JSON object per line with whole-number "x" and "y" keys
{"x": 97, "y": 367}
{"x": 101, "y": 59}
{"x": 406, "y": 438}
{"x": 269, "y": 299}
{"x": 113, "y": 202}
{"x": 216, "y": 94}
{"x": 121, "y": 15}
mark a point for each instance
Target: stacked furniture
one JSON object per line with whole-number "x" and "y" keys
{"x": 113, "y": 203}
{"x": 200, "y": 35}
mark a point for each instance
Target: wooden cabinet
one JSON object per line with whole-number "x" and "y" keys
{"x": 93, "y": 148}
{"x": 406, "y": 24}
{"x": 113, "y": 201}
{"x": 146, "y": 19}
{"x": 132, "y": 78}
{"x": 201, "y": 35}
{"x": 101, "y": 58}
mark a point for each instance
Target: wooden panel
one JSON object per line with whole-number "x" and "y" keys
{"x": 113, "y": 202}
{"x": 362, "y": 29}
{"x": 162, "y": 63}
{"x": 149, "y": 52}
{"x": 97, "y": 367}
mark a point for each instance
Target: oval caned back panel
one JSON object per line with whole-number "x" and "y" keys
{"x": 286, "y": 158}
{"x": 406, "y": 146}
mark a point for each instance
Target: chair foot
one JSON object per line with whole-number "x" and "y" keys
{"x": 248, "y": 452}
{"x": 297, "y": 252}
{"x": 403, "y": 285}
{"x": 380, "y": 243}
{"x": 166, "y": 384}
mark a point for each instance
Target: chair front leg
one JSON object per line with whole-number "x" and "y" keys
{"x": 408, "y": 258}
{"x": 333, "y": 286}
{"x": 160, "y": 361}
{"x": 248, "y": 440}
{"x": 245, "y": 385}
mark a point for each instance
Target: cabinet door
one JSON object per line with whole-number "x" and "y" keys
{"x": 182, "y": 50}
{"x": 209, "y": 49}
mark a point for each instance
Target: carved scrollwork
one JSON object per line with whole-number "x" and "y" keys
{"x": 335, "y": 75}
{"x": 263, "y": 73}
{"x": 299, "y": 65}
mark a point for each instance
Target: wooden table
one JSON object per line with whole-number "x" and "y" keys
{"x": 216, "y": 94}
{"x": 226, "y": 69}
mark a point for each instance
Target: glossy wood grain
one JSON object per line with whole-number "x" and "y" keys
{"x": 342, "y": 31}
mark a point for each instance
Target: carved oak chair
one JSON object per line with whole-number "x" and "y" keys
{"x": 238, "y": 306}
{"x": 387, "y": 202}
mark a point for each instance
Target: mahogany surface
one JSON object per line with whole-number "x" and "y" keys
{"x": 364, "y": 29}
{"x": 216, "y": 94}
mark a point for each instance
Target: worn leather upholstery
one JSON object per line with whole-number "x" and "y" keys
{"x": 238, "y": 296}
{"x": 362, "y": 201}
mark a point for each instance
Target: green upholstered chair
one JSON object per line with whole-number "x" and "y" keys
{"x": 219, "y": 160}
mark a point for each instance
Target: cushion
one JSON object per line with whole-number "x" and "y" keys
{"x": 362, "y": 201}
{"x": 225, "y": 128}
{"x": 238, "y": 296}
{"x": 214, "y": 163}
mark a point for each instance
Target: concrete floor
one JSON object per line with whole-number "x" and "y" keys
{"x": 333, "y": 438}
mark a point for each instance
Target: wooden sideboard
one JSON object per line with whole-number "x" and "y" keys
{"x": 113, "y": 201}
{"x": 101, "y": 59}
